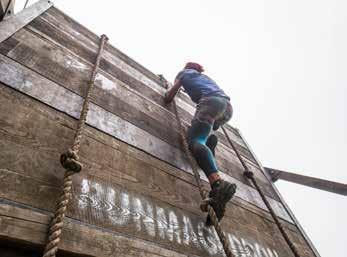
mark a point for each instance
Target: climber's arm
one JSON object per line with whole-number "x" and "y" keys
{"x": 170, "y": 94}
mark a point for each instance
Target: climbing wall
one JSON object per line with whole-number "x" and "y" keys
{"x": 136, "y": 195}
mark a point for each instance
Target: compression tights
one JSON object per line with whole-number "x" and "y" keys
{"x": 198, "y": 136}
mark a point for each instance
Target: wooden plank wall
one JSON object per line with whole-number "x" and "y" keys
{"x": 136, "y": 186}
{"x": 121, "y": 189}
{"x": 59, "y": 66}
{"x": 66, "y": 59}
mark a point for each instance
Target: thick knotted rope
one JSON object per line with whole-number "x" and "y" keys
{"x": 69, "y": 161}
{"x": 249, "y": 174}
{"x": 203, "y": 192}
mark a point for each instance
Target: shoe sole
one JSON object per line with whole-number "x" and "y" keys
{"x": 231, "y": 190}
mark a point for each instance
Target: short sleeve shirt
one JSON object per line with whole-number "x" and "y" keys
{"x": 198, "y": 85}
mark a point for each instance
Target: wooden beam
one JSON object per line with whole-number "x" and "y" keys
{"x": 30, "y": 226}
{"x": 322, "y": 184}
{"x": 11, "y": 25}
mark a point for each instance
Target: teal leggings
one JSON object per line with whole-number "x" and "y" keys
{"x": 211, "y": 111}
{"x": 198, "y": 134}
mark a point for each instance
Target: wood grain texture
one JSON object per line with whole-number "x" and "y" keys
{"x": 88, "y": 39}
{"x": 79, "y": 45}
{"x": 66, "y": 27}
{"x": 18, "y": 222}
{"x": 63, "y": 100}
{"x": 122, "y": 190}
{"x": 37, "y": 134}
{"x": 53, "y": 27}
{"x": 112, "y": 95}
{"x": 116, "y": 190}
{"x": 9, "y": 26}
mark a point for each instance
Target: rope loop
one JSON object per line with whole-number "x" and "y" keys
{"x": 69, "y": 160}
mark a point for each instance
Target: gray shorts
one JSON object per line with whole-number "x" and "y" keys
{"x": 214, "y": 110}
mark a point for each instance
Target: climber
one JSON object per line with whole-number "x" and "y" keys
{"x": 213, "y": 110}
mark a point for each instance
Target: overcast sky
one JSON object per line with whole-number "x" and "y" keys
{"x": 283, "y": 62}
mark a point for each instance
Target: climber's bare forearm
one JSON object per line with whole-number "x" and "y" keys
{"x": 170, "y": 94}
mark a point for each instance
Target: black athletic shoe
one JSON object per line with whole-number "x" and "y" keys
{"x": 212, "y": 142}
{"x": 221, "y": 193}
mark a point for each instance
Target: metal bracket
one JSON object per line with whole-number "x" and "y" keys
{"x": 14, "y": 23}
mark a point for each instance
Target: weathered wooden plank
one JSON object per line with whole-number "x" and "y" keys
{"x": 113, "y": 96}
{"x": 63, "y": 100}
{"x": 116, "y": 208}
{"x": 110, "y": 93}
{"x": 64, "y": 23}
{"x": 15, "y": 250}
{"x": 85, "y": 33}
{"x": 9, "y": 26}
{"x": 18, "y": 222}
{"x": 8, "y": 45}
{"x": 29, "y": 226}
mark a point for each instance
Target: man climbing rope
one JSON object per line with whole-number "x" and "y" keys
{"x": 213, "y": 110}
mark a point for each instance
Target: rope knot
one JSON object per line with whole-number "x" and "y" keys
{"x": 248, "y": 174}
{"x": 69, "y": 160}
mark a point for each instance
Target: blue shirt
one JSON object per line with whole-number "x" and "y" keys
{"x": 198, "y": 85}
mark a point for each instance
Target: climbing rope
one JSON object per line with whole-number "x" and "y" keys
{"x": 203, "y": 192}
{"x": 6, "y": 10}
{"x": 26, "y": 3}
{"x": 69, "y": 161}
{"x": 249, "y": 174}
